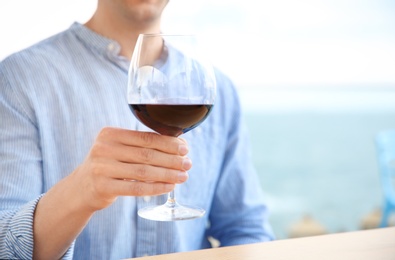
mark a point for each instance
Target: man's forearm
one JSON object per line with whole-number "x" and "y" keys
{"x": 58, "y": 220}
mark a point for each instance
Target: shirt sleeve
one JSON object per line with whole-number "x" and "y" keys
{"x": 238, "y": 214}
{"x": 21, "y": 184}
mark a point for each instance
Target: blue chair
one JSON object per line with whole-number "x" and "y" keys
{"x": 385, "y": 145}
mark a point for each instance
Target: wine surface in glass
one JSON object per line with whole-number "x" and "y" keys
{"x": 170, "y": 119}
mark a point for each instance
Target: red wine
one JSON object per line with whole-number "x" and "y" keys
{"x": 172, "y": 120}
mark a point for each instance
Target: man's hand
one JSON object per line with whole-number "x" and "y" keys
{"x": 130, "y": 163}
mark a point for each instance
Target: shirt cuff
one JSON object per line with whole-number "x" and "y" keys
{"x": 19, "y": 238}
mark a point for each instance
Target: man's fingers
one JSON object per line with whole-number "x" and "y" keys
{"x": 145, "y": 173}
{"x": 151, "y": 140}
{"x": 139, "y": 155}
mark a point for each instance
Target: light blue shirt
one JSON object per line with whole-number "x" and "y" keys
{"x": 56, "y": 96}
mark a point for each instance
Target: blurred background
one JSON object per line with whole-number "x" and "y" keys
{"x": 316, "y": 80}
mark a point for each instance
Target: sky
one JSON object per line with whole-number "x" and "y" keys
{"x": 261, "y": 45}
{"x": 305, "y": 42}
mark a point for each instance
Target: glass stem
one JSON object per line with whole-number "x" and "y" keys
{"x": 171, "y": 200}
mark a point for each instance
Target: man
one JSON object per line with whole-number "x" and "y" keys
{"x": 67, "y": 152}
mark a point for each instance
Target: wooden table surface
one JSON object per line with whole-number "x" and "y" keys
{"x": 374, "y": 244}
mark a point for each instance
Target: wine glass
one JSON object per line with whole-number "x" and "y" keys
{"x": 171, "y": 89}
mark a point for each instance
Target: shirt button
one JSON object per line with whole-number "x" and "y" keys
{"x": 111, "y": 47}
{"x": 147, "y": 198}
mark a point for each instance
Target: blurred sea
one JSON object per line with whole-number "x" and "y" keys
{"x": 318, "y": 162}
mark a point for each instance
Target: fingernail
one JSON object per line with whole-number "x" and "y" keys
{"x": 186, "y": 163}
{"x": 183, "y": 149}
{"x": 182, "y": 176}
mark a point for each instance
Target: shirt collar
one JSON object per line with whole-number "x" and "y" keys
{"x": 102, "y": 45}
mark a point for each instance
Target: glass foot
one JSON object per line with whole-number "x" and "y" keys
{"x": 171, "y": 213}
